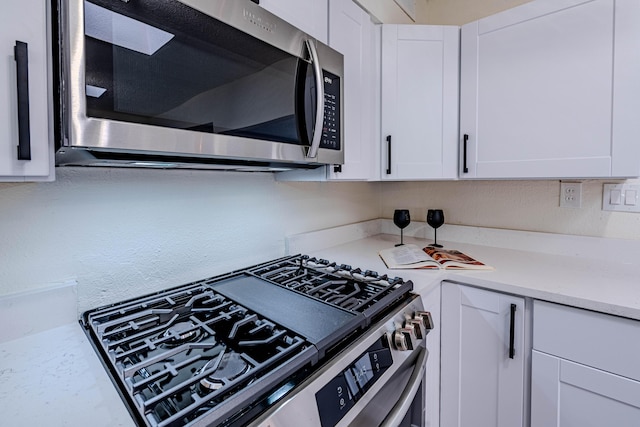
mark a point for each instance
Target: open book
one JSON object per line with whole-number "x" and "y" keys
{"x": 411, "y": 256}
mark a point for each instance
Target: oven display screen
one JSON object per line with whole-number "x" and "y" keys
{"x": 339, "y": 395}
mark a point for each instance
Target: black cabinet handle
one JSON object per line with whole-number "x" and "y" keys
{"x": 388, "y": 154}
{"x": 512, "y": 326}
{"x": 22, "y": 71}
{"x": 465, "y": 169}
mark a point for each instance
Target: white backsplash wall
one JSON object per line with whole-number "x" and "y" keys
{"x": 517, "y": 205}
{"x": 126, "y": 232}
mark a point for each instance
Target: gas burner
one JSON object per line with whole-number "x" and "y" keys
{"x": 179, "y": 355}
{"x": 180, "y": 333}
{"x": 227, "y": 367}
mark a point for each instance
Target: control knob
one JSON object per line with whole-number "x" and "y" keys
{"x": 425, "y": 318}
{"x": 415, "y": 326}
{"x": 401, "y": 338}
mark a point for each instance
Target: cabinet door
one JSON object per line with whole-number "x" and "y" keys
{"x": 24, "y": 21}
{"x": 352, "y": 33}
{"x": 308, "y": 15}
{"x": 537, "y": 91}
{"x": 567, "y": 394}
{"x": 420, "y": 75}
{"x": 626, "y": 89}
{"x": 481, "y": 385}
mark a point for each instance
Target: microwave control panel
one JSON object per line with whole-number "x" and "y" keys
{"x": 331, "y": 125}
{"x": 341, "y": 393}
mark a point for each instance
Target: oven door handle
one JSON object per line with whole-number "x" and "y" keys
{"x": 317, "y": 72}
{"x": 399, "y": 411}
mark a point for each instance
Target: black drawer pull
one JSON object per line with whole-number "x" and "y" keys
{"x": 389, "y": 155}
{"x": 512, "y": 326}
{"x": 22, "y": 72}
{"x": 465, "y": 169}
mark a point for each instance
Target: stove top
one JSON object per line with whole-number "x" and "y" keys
{"x": 206, "y": 352}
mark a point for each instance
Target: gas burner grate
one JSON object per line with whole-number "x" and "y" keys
{"x": 340, "y": 285}
{"x": 182, "y": 354}
{"x": 206, "y": 352}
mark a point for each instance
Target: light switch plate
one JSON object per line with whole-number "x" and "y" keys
{"x": 621, "y": 197}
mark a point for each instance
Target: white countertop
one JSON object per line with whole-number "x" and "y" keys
{"x": 53, "y": 377}
{"x": 602, "y": 285}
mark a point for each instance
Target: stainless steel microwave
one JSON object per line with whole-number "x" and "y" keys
{"x": 195, "y": 84}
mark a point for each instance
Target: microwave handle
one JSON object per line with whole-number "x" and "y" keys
{"x": 317, "y": 72}
{"x": 399, "y": 411}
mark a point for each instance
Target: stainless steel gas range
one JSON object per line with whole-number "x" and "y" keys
{"x": 294, "y": 341}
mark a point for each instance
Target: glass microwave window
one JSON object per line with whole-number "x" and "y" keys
{"x": 194, "y": 73}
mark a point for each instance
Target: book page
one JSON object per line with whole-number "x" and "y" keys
{"x": 407, "y": 256}
{"x": 451, "y": 258}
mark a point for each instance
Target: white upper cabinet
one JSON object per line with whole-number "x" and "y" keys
{"x": 311, "y": 16}
{"x": 26, "y": 153}
{"x": 550, "y": 89}
{"x": 420, "y": 92}
{"x": 352, "y": 33}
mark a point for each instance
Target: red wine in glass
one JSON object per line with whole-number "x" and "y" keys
{"x": 401, "y": 219}
{"x": 435, "y": 218}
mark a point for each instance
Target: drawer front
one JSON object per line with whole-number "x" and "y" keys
{"x": 594, "y": 339}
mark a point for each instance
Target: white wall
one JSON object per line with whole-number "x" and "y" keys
{"x": 125, "y": 232}
{"x": 518, "y": 205}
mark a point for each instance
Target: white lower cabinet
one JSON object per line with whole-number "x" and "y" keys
{"x": 585, "y": 369}
{"x": 568, "y": 394}
{"x": 483, "y": 358}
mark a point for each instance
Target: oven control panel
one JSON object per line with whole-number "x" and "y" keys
{"x": 331, "y": 125}
{"x": 341, "y": 393}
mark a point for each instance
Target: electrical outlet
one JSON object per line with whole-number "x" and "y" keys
{"x": 570, "y": 194}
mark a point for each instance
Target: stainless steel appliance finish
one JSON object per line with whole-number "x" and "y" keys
{"x": 190, "y": 100}
{"x": 260, "y": 344}
{"x": 342, "y": 392}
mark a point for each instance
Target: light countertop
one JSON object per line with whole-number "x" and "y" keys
{"x": 53, "y": 376}
{"x": 601, "y": 285}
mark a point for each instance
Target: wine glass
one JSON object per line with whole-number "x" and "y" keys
{"x": 401, "y": 219}
{"x": 435, "y": 218}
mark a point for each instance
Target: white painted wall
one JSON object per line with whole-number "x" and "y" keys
{"x": 517, "y": 205}
{"x": 124, "y": 232}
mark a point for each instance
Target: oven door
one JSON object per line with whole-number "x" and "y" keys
{"x": 218, "y": 78}
{"x": 400, "y": 402}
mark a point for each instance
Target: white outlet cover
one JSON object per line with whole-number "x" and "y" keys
{"x": 571, "y": 194}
